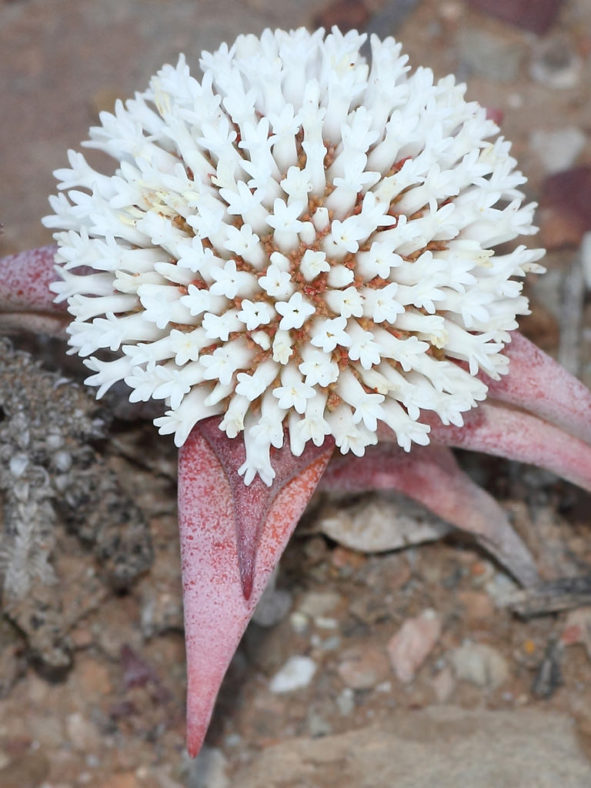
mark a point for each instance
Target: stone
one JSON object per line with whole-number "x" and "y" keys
{"x": 325, "y": 622}
{"x": 577, "y": 629}
{"x": 556, "y": 64}
{"x": 346, "y": 701}
{"x": 538, "y": 16}
{"x": 299, "y": 622}
{"x": 208, "y": 770}
{"x": 346, "y": 14}
{"x": 480, "y": 664}
{"x": 564, "y": 207}
{"x": 316, "y": 604}
{"x": 477, "y": 605}
{"x": 318, "y": 725}
{"x": 381, "y": 524}
{"x": 82, "y": 734}
{"x": 92, "y": 677}
{"x": 273, "y": 606}
{"x": 413, "y": 643}
{"x": 441, "y": 746}
{"x": 443, "y": 684}
{"x": 295, "y": 674}
{"x": 558, "y": 149}
{"x": 489, "y": 55}
{"x": 363, "y": 667}
{"x": 387, "y": 19}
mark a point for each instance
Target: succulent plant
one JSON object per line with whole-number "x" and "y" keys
{"x": 304, "y": 256}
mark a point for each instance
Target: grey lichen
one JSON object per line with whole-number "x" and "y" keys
{"x": 54, "y": 482}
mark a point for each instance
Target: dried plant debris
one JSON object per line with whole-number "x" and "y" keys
{"x": 54, "y": 483}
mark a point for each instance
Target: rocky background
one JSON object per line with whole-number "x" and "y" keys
{"x": 367, "y": 665}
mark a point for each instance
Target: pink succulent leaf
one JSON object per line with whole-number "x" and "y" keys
{"x": 217, "y": 610}
{"x": 251, "y": 503}
{"x": 540, "y": 385}
{"x": 431, "y": 476}
{"x": 26, "y": 302}
{"x": 506, "y": 432}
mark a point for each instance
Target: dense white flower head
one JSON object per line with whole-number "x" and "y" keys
{"x": 301, "y": 241}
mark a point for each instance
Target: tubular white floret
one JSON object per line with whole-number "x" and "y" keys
{"x": 299, "y": 241}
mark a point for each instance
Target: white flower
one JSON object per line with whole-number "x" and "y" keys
{"x": 317, "y": 369}
{"x": 294, "y": 392}
{"x": 331, "y": 332}
{"x": 313, "y": 263}
{"x": 301, "y": 242}
{"x": 276, "y": 282}
{"x": 256, "y": 313}
{"x": 230, "y": 282}
{"x": 294, "y": 312}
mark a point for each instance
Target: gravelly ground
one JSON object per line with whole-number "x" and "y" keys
{"x": 116, "y": 719}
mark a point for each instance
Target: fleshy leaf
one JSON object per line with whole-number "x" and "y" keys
{"x": 540, "y": 385}
{"x": 251, "y": 503}
{"x": 26, "y": 302}
{"x": 516, "y": 435}
{"x": 217, "y": 610}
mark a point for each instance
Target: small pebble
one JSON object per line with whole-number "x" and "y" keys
{"x": 480, "y": 664}
{"x": 477, "y": 606}
{"x": 559, "y": 149}
{"x": 272, "y": 607}
{"x": 488, "y": 55}
{"x": 295, "y": 674}
{"x": 330, "y": 644}
{"x": 538, "y": 16}
{"x": 377, "y": 526}
{"x": 208, "y": 770}
{"x": 564, "y": 207}
{"x": 443, "y": 684}
{"x": 499, "y": 587}
{"x": 346, "y": 14}
{"x": 299, "y": 622}
{"x": 412, "y": 644}
{"x": 318, "y": 603}
{"x": 317, "y": 725}
{"x": 346, "y": 701}
{"x": 481, "y": 572}
{"x": 323, "y": 622}
{"x": 577, "y": 629}
{"x": 363, "y": 667}
{"x": 555, "y": 63}
{"x": 82, "y": 734}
